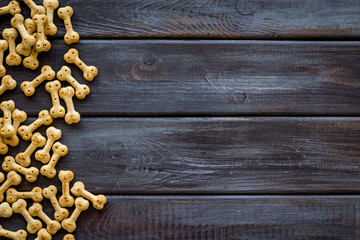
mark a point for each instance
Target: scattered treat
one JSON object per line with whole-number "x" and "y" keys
{"x": 3, "y": 147}
{"x": 5, "y": 210}
{"x": 52, "y": 134}
{"x": 53, "y": 88}
{"x": 42, "y": 44}
{"x": 69, "y": 237}
{"x": 43, "y": 235}
{"x": 7, "y": 107}
{"x": 30, "y": 174}
{"x": 37, "y": 140}
{"x": 50, "y": 6}
{"x": 18, "y": 235}
{"x": 10, "y": 35}
{"x": 36, "y": 210}
{"x": 72, "y": 116}
{"x": 35, "y": 194}
{"x": 79, "y": 190}
{"x": 12, "y": 179}
{"x": 69, "y": 224}
{"x": 3, "y": 47}
{"x": 32, "y": 225}
{"x": 72, "y": 56}
{"x": 18, "y": 117}
{"x": 44, "y": 119}
{"x": 59, "y": 150}
{"x": 29, "y": 87}
{"x": 35, "y": 9}
{"x": 60, "y": 213}
{"x": 31, "y": 61}
{"x": 7, "y": 83}
{"x": 13, "y": 8}
{"x": 66, "y": 200}
{"x": 28, "y": 40}
{"x": 30, "y": 25}
{"x": 81, "y": 90}
{"x": 71, "y": 36}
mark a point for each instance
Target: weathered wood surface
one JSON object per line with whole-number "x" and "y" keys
{"x": 218, "y": 217}
{"x": 240, "y": 19}
{"x": 212, "y": 155}
{"x": 159, "y": 77}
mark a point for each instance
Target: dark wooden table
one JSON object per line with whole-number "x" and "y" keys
{"x": 230, "y": 119}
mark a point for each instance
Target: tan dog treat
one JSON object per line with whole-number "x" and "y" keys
{"x": 29, "y": 87}
{"x": 27, "y": 40}
{"x": 72, "y": 56}
{"x": 2, "y": 177}
{"x": 42, "y": 44}
{"x": 71, "y": 36}
{"x": 36, "y": 210}
{"x": 3, "y": 147}
{"x": 25, "y": 49}
{"x": 60, "y": 213}
{"x": 69, "y": 224}
{"x": 44, "y": 119}
{"x": 7, "y": 83}
{"x": 5, "y": 210}
{"x": 81, "y": 90}
{"x": 18, "y": 235}
{"x": 71, "y": 116}
{"x": 32, "y": 225}
{"x": 10, "y": 35}
{"x": 59, "y": 150}
{"x": 7, "y": 107}
{"x": 30, "y": 174}
{"x": 50, "y": 6}
{"x": 53, "y": 88}
{"x": 37, "y": 140}
{"x": 12, "y": 179}
{"x": 52, "y": 134}
{"x": 35, "y": 9}
{"x": 13, "y": 8}
{"x": 69, "y": 237}
{"x": 30, "y": 25}
{"x": 66, "y": 200}
{"x": 79, "y": 190}
{"x": 3, "y": 47}
{"x": 43, "y": 235}
{"x": 35, "y": 194}
{"x": 18, "y": 117}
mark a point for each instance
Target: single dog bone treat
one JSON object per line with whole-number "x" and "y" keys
{"x": 3, "y": 47}
{"x": 79, "y": 190}
{"x": 18, "y": 117}
{"x": 50, "y": 6}
{"x": 33, "y": 225}
{"x": 12, "y": 195}
{"x": 53, "y": 88}
{"x": 69, "y": 237}
{"x": 30, "y": 25}
{"x": 69, "y": 224}
{"x": 59, "y": 150}
{"x": 7, "y": 83}
{"x": 43, "y": 235}
{"x": 5, "y": 210}
{"x": 66, "y": 200}
{"x": 81, "y": 90}
{"x": 18, "y": 235}
{"x": 12, "y": 179}
{"x": 31, "y": 61}
{"x": 36, "y": 210}
{"x": 71, "y": 116}
{"x": 72, "y": 56}
{"x": 29, "y": 87}
{"x": 30, "y": 174}
{"x": 35, "y": 9}
{"x": 71, "y": 36}
{"x": 42, "y": 44}
{"x": 7, "y": 107}
{"x": 60, "y": 213}
{"x": 13, "y": 8}
{"x": 18, "y": 22}
{"x": 44, "y": 119}
{"x": 37, "y": 140}
{"x": 3, "y": 147}
{"x": 24, "y": 48}
{"x": 52, "y": 134}
{"x": 10, "y": 35}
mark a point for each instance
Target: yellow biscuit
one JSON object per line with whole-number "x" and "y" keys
{"x": 66, "y": 200}
{"x": 12, "y": 195}
{"x": 72, "y": 116}
{"x": 69, "y": 224}
{"x": 23, "y": 158}
{"x": 3, "y": 47}
{"x": 52, "y": 134}
{"x": 71, "y": 36}
{"x": 13, "y": 8}
{"x": 79, "y": 190}
{"x": 29, "y": 87}
{"x": 12, "y": 179}
{"x": 33, "y": 225}
{"x": 50, "y": 6}
{"x": 30, "y": 174}
{"x": 10, "y": 35}
{"x": 42, "y": 44}
{"x": 81, "y": 90}
{"x": 18, "y": 235}
{"x": 89, "y": 72}
{"x": 52, "y": 226}
{"x": 59, "y": 150}
{"x": 50, "y": 193}
{"x": 53, "y": 88}
{"x": 27, "y": 131}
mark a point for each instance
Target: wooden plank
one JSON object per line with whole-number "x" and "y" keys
{"x": 218, "y": 217}
{"x": 212, "y": 155}
{"x": 241, "y": 19}
{"x": 142, "y": 77}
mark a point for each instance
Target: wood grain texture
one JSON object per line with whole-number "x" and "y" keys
{"x": 240, "y": 19}
{"x": 218, "y": 217}
{"x": 211, "y": 155}
{"x": 159, "y": 77}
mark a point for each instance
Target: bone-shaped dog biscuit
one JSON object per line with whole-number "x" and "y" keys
{"x": 43, "y": 235}
{"x": 52, "y": 226}
{"x": 18, "y": 22}
{"x": 7, "y": 129}
{"x": 72, "y": 56}
{"x": 32, "y": 61}
{"x": 30, "y": 174}
{"x": 35, "y": 9}
{"x": 37, "y": 140}
{"x": 30, "y": 25}
{"x": 59, "y": 150}
{"x": 71, "y": 36}
{"x": 44, "y": 119}
{"x": 10, "y": 35}
{"x": 53, "y": 88}
{"x": 33, "y": 225}
{"x": 42, "y": 44}
{"x": 3, "y": 47}
{"x": 3, "y": 147}
{"x": 18, "y": 235}
{"x": 50, "y": 6}
{"x": 69, "y": 224}
{"x": 30, "y": 28}
{"x": 66, "y": 200}
{"x": 5, "y": 210}
{"x": 69, "y": 237}
{"x": 2, "y": 177}
{"x": 79, "y": 190}
{"x": 52, "y": 134}
{"x": 12, "y": 179}
{"x": 12, "y": 195}
{"x": 18, "y": 117}
{"x": 72, "y": 116}
{"x": 13, "y": 8}
{"x": 81, "y": 90}
{"x": 7, "y": 83}
{"x": 29, "y": 87}
{"x": 60, "y": 213}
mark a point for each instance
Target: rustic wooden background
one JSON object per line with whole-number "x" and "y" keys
{"x": 212, "y": 119}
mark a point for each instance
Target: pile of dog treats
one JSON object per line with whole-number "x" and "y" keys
{"x": 48, "y": 150}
